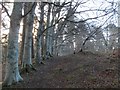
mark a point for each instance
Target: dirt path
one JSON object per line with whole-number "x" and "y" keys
{"x": 82, "y": 70}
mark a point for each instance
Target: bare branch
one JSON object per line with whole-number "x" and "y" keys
{"x": 5, "y": 10}
{"x": 88, "y": 18}
{"x": 34, "y": 4}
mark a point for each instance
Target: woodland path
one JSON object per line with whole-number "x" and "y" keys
{"x": 81, "y": 70}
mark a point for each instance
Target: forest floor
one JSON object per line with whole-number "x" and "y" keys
{"x": 81, "y": 70}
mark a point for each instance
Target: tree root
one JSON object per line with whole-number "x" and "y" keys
{"x": 42, "y": 62}
{"x": 33, "y": 68}
{"x": 4, "y": 85}
{"x": 50, "y": 55}
{"x": 28, "y": 68}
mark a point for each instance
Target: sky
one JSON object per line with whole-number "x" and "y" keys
{"x": 95, "y": 4}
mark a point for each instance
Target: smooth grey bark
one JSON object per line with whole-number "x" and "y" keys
{"x": 12, "y": 71}
{"x": 23, "y": 41}
{"x": 39, "y": 40}
{"x": 47, "y": 51}
{"x": 27, "y": 56}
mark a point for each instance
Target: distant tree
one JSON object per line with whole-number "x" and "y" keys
{"x": 48, "y": 34}
{"x": 40, "y": 36}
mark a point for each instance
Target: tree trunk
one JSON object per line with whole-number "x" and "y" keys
{"x": 39, "y": 43}
{"x": 23, "y": 41}
{"x": 12, "y": 70}
{"x": 47, "y": 51}
{"x": 27, "y": 57}
{"x": 32, "y": 51}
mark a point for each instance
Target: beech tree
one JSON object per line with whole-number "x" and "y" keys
{"x": 39, "y": 38}
{"x": 23, "y": 37}
{"x": 12, "y": 70}
{"x": 48, "y": 34}
{"x": 27, "y": 55}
